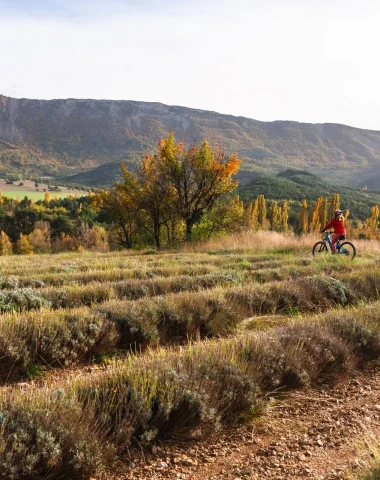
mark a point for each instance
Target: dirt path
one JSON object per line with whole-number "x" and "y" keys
{"x": 312, "y": 434}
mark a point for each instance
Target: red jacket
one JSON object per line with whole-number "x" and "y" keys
{"x": 337, "y": 225}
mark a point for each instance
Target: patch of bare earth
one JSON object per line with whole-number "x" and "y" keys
{"x": 311, "y": 434}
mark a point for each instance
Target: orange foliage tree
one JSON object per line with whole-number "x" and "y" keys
{"x": 175, "y": 184}
{"x": 198, "y": 176}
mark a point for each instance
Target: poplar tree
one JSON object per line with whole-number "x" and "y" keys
{"x": 23, "y": 245}
{"x": 372, "y": 222}
{"x": 335, "y": 204}
{"x": 251, "y": 215}
{"x": 262, "y": 211}
{"x": 5, "y": 244}
{"x": 274, "y": 215}
{"x": 323, "y": 212}
{"x": 315, "y": 224}
{"x": 303, "y": 219}
{"x": 285, "y": 216}
{"x": 47, "y": 198}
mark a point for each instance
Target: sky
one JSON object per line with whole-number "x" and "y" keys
{"x": 305, "y": 60}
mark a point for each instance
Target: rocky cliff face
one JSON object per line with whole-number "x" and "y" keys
{"x": 72, "y": 135}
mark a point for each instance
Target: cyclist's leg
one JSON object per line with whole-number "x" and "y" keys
{"x": 334, "y": 241}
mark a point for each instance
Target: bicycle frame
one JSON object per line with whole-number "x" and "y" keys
{"x": 339, "y": 249}
{"x": 327, "y": 239}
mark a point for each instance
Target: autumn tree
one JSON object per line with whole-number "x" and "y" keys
{"x": 261, "y": 211}
{"x": 155, "y": 196}
{"x": 225, "y": 217}
{"x": 40, "y": 238}
{"x": 323, "y": 212}
{"x": 303, "y": 219}
{"x": 47, "y": 198}
{"x": 251, "y": 215}
{"x": 23, "y": 245}
{"x": 275, "y": 213}
{"x": 372, "y": 223}
{"x": 284, "y": 217}
{"x": 5, "y": 244}
{"x": 119, "y": 205}
{"x": 315, "y": 220}
{"x": 198, "y": 176}
{"x": 335, "y": 204}
{"x": 95, "y": 238}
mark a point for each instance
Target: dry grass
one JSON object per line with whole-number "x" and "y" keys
{"x": 266, "y": 241}
{"x": 261, "y": 240}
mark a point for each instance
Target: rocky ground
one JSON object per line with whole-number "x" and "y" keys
{"x": 310, "y": 434}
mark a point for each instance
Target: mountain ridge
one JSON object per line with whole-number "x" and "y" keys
{"x": 69, "y": 136}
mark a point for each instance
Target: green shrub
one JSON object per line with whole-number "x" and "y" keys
{"x": 21, "y": 299}
{"x": 64, "y": 339}
{"x": 38, "y": 443}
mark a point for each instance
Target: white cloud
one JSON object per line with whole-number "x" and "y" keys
{"x": 297, "y": 59}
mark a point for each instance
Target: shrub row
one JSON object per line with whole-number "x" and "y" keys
{"x": 71, "y": 272}
{"x": 173, "y": 318}
{"x": 62, "y": 339}
{"x": 162, "y": 320}
{"x": 89, "y": 293}
{"x": 75, "y": 430}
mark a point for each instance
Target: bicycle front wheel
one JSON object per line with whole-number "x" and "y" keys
{"x": 319, "y": 249}
{"x": 347, "y": 249}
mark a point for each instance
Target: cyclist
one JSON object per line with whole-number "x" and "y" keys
{"x": 337, "y": 223}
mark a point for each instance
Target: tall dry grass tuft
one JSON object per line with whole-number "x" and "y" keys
{"x": 267, "y": 240}
{"x": 260, "y": 240}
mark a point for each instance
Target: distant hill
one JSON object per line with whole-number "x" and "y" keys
{"x": 105, "y": 175}
{"x": 62, "y": 137}
{"x": 295, "y": 185}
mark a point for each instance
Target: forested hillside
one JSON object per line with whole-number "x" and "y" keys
{"x": 297, "y": 185}
{"x": 60, "y": 137}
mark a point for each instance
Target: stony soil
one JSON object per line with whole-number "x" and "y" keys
{"x": 310, "y": 434}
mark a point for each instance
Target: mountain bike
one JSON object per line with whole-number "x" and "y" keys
{"x": 346, "y": 248}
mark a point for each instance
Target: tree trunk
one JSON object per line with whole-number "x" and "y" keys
{"x": 157, "y": 236}
{"x": 189, "y": 229}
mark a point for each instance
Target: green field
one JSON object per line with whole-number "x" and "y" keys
{"x": 178, "y": 344}
{"x": 20, "y": 194}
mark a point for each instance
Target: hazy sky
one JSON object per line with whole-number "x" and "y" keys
{"x": 305, "y": 60}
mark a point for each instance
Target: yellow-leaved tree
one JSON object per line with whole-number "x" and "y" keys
{"x": 284, "y": 217}
{"x": 23, "y": 245}
{"x": 335, "y": 204}
{"x": 119, "y": 205}
{"x": 5, "y": 244}
{"x": 261, "y": 212}
{"x": 174, "y": 187}
{"x": 372, "y": 223}
{"x": 196, "y": 177}
{"x": 251, "y": 218}
{"x": 303, "y": 219}
{"x": 40, "y": 238}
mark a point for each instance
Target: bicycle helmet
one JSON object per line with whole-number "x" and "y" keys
{"x": 338, "y": 212}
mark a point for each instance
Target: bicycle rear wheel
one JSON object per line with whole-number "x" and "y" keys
{"x": 319, "y": 249}
{"x": 347, "y": 249}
